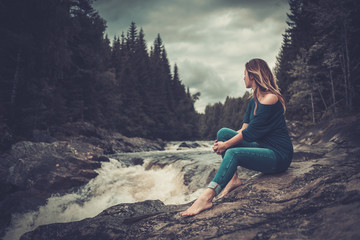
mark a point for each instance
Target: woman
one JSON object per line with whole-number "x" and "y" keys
{"x": 262, "y": 144}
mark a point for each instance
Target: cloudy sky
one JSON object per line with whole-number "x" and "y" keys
{"x": 209, "y": 40}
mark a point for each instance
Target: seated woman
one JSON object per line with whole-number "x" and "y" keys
{"x": 262, "y": 144}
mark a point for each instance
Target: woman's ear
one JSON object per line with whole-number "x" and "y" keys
{"x": 251, "y": 76}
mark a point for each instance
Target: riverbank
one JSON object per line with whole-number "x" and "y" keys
{"x": 317, "y": 198}
{"x": 57, "y": 161}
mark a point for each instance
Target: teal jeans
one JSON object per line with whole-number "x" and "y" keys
{"x": 245, "y": 154}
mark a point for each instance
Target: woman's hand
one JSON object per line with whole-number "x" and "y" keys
{"x": 219, "y": 147}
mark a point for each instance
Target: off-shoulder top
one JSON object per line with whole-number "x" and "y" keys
{"x": 268, "y": 128}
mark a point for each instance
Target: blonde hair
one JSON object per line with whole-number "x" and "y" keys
{"x": 259, "y": 71}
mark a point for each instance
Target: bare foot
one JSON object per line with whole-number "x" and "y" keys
{"x": 202, "y": 203}
{"x": 234, "y": 183}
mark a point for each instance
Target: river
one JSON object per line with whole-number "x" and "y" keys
{"x": 176, "y": 175}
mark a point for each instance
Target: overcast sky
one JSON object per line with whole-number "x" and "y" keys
{"x": 209, "y": 40}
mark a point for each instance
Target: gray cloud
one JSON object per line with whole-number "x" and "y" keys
{"x": 203, "y": 78}
{"x": 210, "y": 40}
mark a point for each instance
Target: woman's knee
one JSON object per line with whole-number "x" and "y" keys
{"x": 230, "y": 159}
{"x": 224, "y": 134}
{"x": 229, "y": 154}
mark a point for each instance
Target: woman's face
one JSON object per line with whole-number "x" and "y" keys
{"x": 248, "y": 82}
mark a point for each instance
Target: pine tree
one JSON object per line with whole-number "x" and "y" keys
{"x": 116, "y": 54}
{"x": 230, "y": 114}
{"x": 334, "y": 22}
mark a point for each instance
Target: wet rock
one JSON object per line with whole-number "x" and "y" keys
{"x": 137, "y": 161}
{"x": 163, "y": 161}
{"x": 32, "y": 171}
{"x": 113, "y": 223}
{"x": 51, "y": 167}
{"x": 100, "y": 158}
{"x": 185, "y": 145}
{"x": 110, "y": 141}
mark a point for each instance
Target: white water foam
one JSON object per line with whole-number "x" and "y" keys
{"x": 115, "y": 184}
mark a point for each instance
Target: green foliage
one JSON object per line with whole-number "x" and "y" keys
{"x": 230, "y": 115}
{"x": 317, "y": 67}
{"x": 56, "y": 66}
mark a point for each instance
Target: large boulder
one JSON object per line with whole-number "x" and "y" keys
{"x": 113, "y": 223}
{"x": 109, "y": 141}
{"x": 52, "y": 167}
{"x": 31, "y": 172}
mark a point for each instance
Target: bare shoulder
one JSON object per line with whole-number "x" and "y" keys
{"x": 269, "y": 99}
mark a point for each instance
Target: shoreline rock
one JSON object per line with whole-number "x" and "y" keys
{"x": 107, "y": 140}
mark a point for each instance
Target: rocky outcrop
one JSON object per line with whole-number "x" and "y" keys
{"x": 35, "y": 171}
{"x": 53, "y": 167}
{"x": 112, "y": 223}
{"x": 317, "y": 198}
{"x": 109, "y": 141}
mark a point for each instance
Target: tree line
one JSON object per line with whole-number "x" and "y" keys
{"x": 58, "y": 66}
{"x": 229, "y": 114}
{"x": 318, "y": 64}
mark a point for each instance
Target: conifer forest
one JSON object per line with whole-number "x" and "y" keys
{"x": 57, "y": 65}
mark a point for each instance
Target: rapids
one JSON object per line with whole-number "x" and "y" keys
{"x": 174, "y": 176}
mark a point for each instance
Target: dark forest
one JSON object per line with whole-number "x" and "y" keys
{"x": 57, "y": 66}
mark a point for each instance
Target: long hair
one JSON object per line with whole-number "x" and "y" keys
{"x": 260, "y": 72}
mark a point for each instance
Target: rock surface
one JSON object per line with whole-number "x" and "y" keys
{"x": 53, "y": 167}
{"x": 109, "y": 141}
{"x": 35, "y": 171}
{"x": 185, "y": 145}
{"x": 317, "y": 198}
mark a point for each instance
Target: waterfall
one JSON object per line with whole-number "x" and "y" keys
{"x": 114, "y": 184}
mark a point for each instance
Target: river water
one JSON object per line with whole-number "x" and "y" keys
{"x": 174, "y": 176}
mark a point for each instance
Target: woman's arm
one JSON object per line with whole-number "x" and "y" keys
{"x": 244, "y": 126}
{"x": 220, "y": 147}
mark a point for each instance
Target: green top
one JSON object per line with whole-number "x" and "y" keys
{"x": 268, "y": 128}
